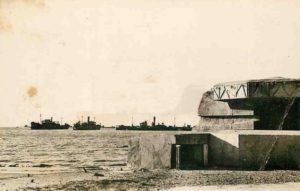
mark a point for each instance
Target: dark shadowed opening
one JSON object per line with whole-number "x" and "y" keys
{"x": 191, "y": 157}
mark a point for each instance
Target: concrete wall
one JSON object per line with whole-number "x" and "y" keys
{"x": 248, "y": 114}
{"x": 271, "y": 114}
{"x": 151, "y": 152}
{"x": 218, "y": 115}
{"x": 254, "y": 149}
{"x": 134, "y": 154}
{"x": 223, "y": 150}
{"x": 192, "y": 139}
{"x": 210, "y": 107}
{"x": 155, "y": 151}
{"x": 222, "y": 147}
{"x": 225, "y": 123}
{"x": 226, "y": 149}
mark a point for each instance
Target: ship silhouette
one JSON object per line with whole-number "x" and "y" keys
{"x": 89, "y": 125}
{"x": 48, "y": 124}
{"x": 154, "y": 127}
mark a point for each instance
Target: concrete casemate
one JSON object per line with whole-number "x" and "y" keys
{"x": 245, "y": 149}
{"x": 265, "y": 104}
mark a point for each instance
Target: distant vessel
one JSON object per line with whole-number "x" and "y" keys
{"x": 154, "y": 127}
{"x": 89, "y": 125}
{"x": 48, "y": 124}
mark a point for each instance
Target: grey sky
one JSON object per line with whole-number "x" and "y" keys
{"x": 114, "y": 59}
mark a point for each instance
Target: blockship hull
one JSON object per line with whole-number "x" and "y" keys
{"x": 155, "y": 129}
{"x": 37, "y": 126}
{"x": 86, "y": 128}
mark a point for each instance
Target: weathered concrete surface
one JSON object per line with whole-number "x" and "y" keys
{"x": 253, "y": 104}
{"x": 218, "y": 115}
{"x": 245, "y": 149}
{"x": 210, "y": 107}
{"x": 151, "y": 152}
{"x": 221, "y": 123}
{"x": 223, "y": 149}
{"x": 192, "y": 139}
{"x": 134, "y": 154}
{"x": 155, "y": 152}
{"x": 192, "y": 150}
{"x": 277, "y": 114}
{"x": 254, "y": 148}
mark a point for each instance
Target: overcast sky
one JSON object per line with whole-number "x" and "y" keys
{"x": 116, "y": 59}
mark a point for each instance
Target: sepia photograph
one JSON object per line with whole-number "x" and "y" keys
{"x": 154, "y": 95}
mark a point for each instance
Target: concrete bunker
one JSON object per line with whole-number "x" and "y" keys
{"x": 266, "y": 104}
{"x": 188, "y": 157}
{"x": 266, "y": 150}
{"x": 184, "y": 151}
{"x": 190, "y": 152}
{"x": 233, "y": 113}
{"x": 247, "y": 149}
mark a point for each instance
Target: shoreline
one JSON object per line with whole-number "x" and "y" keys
{"x": 143, "y": 179}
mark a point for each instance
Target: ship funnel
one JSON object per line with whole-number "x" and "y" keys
{"x": 51, "y": 119}
{"x": 154, "y": 119}
{"x": 88, "y": 119}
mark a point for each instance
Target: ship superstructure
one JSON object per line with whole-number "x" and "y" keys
{"x": 48, "y": 124}
{"x": 89, "y": 125}
{"x": 154, "y": 127}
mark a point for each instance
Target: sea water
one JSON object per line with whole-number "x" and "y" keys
{"x": 44, "y": 151}
{"x": 29, "y": 151}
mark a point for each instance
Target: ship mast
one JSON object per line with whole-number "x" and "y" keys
{"x": 174, "y": 121}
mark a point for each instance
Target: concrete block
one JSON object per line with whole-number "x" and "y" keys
{"x": 151, "y": 151}
{"x": 223, "y": 150}
{"x": 255, "y": 148}
{"x": 134, "y": 154}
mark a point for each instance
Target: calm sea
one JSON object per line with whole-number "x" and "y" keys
{"x": 47, "y": 151}
{"x": 32, "y": 151}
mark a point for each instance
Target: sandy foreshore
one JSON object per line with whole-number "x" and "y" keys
{"x": 154, "y": 180}
{"x": 260, "y": 187}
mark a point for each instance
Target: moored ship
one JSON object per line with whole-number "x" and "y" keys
{"x": 89, "y": 125}
{"x": 154, "y": 127}
{"x": 48, "y": 124}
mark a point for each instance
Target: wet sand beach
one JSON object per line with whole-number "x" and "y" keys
{"x": 158, "y": 180}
